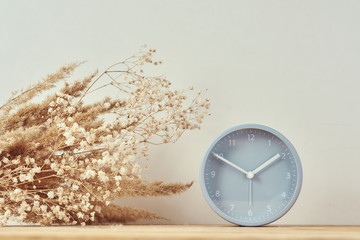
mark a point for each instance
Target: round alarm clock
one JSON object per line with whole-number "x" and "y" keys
{"x": 251, "y": 175}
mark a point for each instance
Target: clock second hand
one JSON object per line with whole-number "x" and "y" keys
{"x": 249, "y": 174}
{"x": 250, "y": 192}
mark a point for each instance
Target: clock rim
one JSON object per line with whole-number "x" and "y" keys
{"x": 296, "y": 191}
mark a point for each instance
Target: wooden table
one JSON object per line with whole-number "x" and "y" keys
{"x": 179, "y": 232}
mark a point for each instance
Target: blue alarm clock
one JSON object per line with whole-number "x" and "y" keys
{"x": 251, "y": 175}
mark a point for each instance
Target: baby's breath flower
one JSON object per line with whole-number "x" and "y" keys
{"x": 107, "y": 105}
{"x": 80, "y": 215}
{"x": 75, "y": 187}
{"x": 118, "y": 178}
{"x": 5, "y": 160}
{"x": 51, "y": 194}
{"x": 102, "y": 176}
{"x": 123, "y": 171}
{"x": 22, "y": 177}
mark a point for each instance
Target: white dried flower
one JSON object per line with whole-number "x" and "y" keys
{"x": 43, "y": 208}
{"x": 123, "y": 171}
{"x": 51, "y": 194}
{"x": 107, "y": 105}
{"x": 71, "y": 109}
{"x": 102, "y": 176}
{"x": 22, "y": 177}
{"x": 75, "y": 187}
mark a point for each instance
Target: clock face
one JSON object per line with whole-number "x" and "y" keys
{"x": 251, "y": 175}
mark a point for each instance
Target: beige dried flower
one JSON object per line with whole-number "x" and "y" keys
{"x": 63, "y": 161}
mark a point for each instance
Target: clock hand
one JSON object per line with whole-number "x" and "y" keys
{"x": 267, "y": 163}
{"x": 250, "y": 192}
{"x": 231, "y": 164}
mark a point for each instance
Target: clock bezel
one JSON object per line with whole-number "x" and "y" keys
{"x": 296, "y": 160}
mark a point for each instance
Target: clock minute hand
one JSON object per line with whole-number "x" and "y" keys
{"x": 231, "y": 164}
{"x": 267, "y": 163}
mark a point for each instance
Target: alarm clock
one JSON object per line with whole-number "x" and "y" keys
{"x": 251, "y": 175}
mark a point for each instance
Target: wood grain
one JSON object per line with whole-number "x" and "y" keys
{"x": 179, "y": 232}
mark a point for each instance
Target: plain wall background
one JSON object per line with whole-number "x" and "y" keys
{"x": 291, "y": 65}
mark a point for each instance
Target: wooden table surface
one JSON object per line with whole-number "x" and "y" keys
{"x": 179, "y": 232}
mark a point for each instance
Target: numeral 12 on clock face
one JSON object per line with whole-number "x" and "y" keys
{"x": 251, "y": 175}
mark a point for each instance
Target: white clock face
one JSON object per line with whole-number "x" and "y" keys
{"x": 251, "y": 175}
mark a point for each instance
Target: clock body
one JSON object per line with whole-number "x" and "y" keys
{"x": 251, "y": 175}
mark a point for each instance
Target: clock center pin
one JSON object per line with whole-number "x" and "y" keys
{"x": 250, "y": 175}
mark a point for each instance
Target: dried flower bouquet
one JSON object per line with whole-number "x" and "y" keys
{"x": 63, "y": 161}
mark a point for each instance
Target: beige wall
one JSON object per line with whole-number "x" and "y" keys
{"x": 291, "y": 65}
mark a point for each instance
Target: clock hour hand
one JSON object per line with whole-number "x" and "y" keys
{"x": 266, "y": 163}
{"x": 231, "y": 164}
